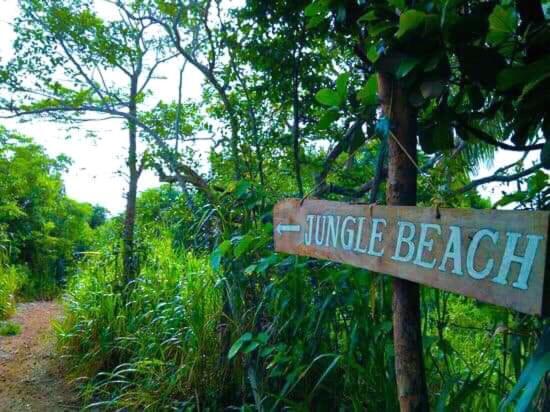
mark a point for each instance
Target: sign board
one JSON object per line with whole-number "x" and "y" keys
{"x": 495, "y": 256}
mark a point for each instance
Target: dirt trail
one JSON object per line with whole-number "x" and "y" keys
{"x": 31, "y": 378}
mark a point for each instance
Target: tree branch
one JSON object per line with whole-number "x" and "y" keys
{"x": 498, "y": 178}
{"x": 485, "y": 137}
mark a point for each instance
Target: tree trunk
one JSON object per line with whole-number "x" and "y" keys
{"x": 401, "y": 190}
{"x": 296, "y": 122}
{"x": 128, "y": 250}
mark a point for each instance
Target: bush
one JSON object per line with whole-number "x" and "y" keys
{"x": 156, "y": 345}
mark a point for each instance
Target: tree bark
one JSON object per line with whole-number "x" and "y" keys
{"x": 296, "y": 121}
{"x": 128, "y": 250}
{"x": 401, "y": 190}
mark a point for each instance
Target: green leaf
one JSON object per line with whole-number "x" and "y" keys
{"x": 317, "y": 7}
{"x": 244, "y": 245}
{"x": 413, "y": 20}
{"x": 250, "y": 269}
{"x": 369, "y": 16}
{"x": 266, "y": 263}
{"x": 432, "y": 88}
{"x": 315, "y": 21}
{"x": 218, "y": 253}
{"x": 502, "y": 25}
{"x": 242, "y": 188}
{"x": 262, "y": 338}
{"x": 368, "y": 94}
{"x": 536, "y": 183}
{"x": 532, "y": 375}
{"x": 316, "y": 13}
{"x": 251, "y": 347}
{"x": 329, "y": 117}
{"x": 342, "y": 84}
{"x": 376, "y": 29}
{"x": 405, "y": 66}
{"x": 372, "y": 54}
{"x": 511, "y": 198}
{"x": 438, "y": 136}
{"x": 518, "y": 76}
{"x": 329, "y": 97}
{"x": 236, "y": 347}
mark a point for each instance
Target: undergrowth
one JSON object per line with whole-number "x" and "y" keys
{"x": 251, "y": 330}
{"x": 155, "y": 347}
{"x": 9, "y": 329}
{"x": 11, "y": 280}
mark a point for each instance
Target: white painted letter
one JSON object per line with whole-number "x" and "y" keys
{"x": 332, "y": 231}
{"x": 309, "y": 232}
{"x": 319, "y": 240}
{"x": 359, "y": 238}
{"x": 472, "y": 249}
{"x": 526, "y": 261}
{"x": 453, "y": 251}
{"x": 425, "y": 244}
{"x": 401, "y": 238}
{"x": 347, "y": 245}
{"x": 374, "y": 236}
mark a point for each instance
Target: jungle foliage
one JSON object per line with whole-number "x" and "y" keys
{"x": 183, "y": 304}
{"x": 41, "y": 229}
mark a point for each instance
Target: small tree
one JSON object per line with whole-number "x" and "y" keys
{"x": 70, "y": 63}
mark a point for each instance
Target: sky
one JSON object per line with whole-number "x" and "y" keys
{"x": 97, "y": 174}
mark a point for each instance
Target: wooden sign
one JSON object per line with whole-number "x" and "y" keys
{"x": 494, "y": 256}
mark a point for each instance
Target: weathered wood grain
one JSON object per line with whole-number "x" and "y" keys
{"x": 482, "y": 235}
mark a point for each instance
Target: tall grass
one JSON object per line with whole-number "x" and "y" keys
{"x": 270, "y": 332}
{"x": 11, "y": 279}
{"x": 155, "y": 347}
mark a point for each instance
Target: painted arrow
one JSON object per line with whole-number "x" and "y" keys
{"x": 287, "y": 228}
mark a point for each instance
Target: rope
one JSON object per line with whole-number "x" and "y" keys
{"x": 437, "y": 203}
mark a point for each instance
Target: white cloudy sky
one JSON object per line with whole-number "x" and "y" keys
{"x": 97, "y": 173}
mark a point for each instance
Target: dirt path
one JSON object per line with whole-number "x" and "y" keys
{"x": 31, "y": 378}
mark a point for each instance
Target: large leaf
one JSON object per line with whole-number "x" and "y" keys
{"x": 437, "y": 136}
{"x": 329, "y": 117}
{"x": 432, "y": 88}
{"x": 368, "y": 94}
{"x": 406, "y": 65}
{"x": 342, "y": 84}
{"x": 218, "y": 253}
{"x": 236, "y": 347}
{"x": 532, "y": 375}
{"x": 415, "y": 20}
{"x": 502, "y": 25}
{"x": 518, "y": 76}
{"x": 244, "y": 245}
{"x": 329, "y": 97}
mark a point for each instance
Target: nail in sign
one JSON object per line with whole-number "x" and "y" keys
{"x": 495, "y": 256}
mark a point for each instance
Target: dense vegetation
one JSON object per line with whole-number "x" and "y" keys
{"x": 41, "y": 229}
{"x": 181, "y": 303}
